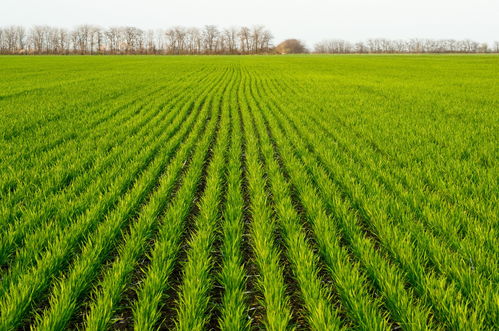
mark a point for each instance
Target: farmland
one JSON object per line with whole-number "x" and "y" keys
{"x": 249, "y": 192}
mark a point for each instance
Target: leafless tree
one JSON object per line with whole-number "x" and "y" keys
{"x": 360, "y": 47}
{"x": 94, "y": 39}
{"x": 265, "y": 41}
{"x": 81, "y": 38}
{"x": 210, "y": 34}
{"x": 112, "y": 35}
{"x": 89, "y": 39}
{"x": 149, "y": 44}
{"x": 2, "y": 42}
{"x": 230, "y": 35}
{"x": 170, "y": 39}
{"x": 20, "y": 39}
{"x": 133, "y": 40}
{"x": 334, "y": 46}
{"x": 10, "y": 38}
{"x": 197, "y": 40}
{"x": 38, "y": 36}
{"x": 244, "y": 37}
{"x": 256, "y": 35}
{"x": 415, "y": 45}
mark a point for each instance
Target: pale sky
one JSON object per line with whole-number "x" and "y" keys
{"x": 308, "y": 20}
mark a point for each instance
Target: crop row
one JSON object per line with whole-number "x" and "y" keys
{"x": 241, "y": 193}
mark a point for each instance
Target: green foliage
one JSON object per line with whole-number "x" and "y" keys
{"x": 236, "y": 193}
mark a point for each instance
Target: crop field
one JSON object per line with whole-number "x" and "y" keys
{"x": 249, "y": 192}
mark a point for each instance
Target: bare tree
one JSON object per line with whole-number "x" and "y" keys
{"x": 335, "y": 46}
{"x": 210, "y": 35}
{"x": 265, "y": 41}
{"x": 170, "y": 39}
{"x": 149, "y": 45}
{"x": 112, "y": 36}
{"x": 3, "y": 49}
{"x": 360, "y": 47}
{"x": 180, "y": 37}
{"x": 132, "y": 39}
{"x": 159, "y": 38}
{"x": 10, "y": 38}
{"x": 81, "y": 38}
{"x": 89, "y": 39}
{"x": 54, "y": 40}
{"x": 483, "y": 48}
{"x": 256, "y": 35}
{"x": 193, "y": 41}
{"x": 230, "y": 35}
{"x": 38, "y": 38}
{"x": 94, "y": 39}
{"x": 244, "y": 37}
{"x": 21, "y": 39}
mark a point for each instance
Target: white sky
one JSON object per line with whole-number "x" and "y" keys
{"x": 309, "y": 20}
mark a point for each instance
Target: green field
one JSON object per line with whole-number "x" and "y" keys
{"x": 279, "y": 192}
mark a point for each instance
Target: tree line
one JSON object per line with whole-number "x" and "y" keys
{"x": 381, "y": 45}
{"x": 210, "y": 39}
{"x": 90, "y": 39}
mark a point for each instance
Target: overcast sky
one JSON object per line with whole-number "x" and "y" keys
{"x": 309, "y": 20}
